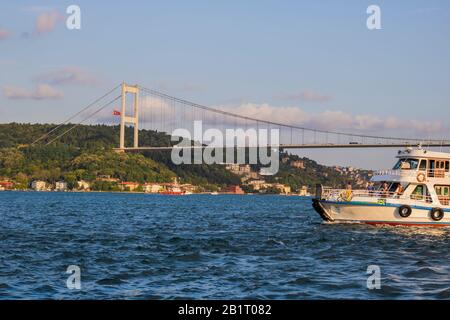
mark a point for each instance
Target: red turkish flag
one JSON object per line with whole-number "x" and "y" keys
{"x": 116, "y": 113}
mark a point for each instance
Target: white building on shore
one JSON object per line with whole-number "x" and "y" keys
{"x": 152, "y": 187}
{"x": 61, "y": 186}
{"x": 83, "y": 185}
{"x": 39, "y": 185}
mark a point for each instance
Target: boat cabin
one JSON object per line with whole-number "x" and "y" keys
{"x": 424, "y": 176}
{"x": 434, "y": 168}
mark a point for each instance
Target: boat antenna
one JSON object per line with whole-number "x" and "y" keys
{"x": 428, "y": 144}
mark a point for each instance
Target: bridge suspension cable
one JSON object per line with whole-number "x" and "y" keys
{"x": 85, "y": 109}
{"x": 166, "y": 112}
{"x": 85, "y": 119}
{"x": 258, "y": 122}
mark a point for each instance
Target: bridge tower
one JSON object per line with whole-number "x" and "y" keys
{"x": 133, "y": 119}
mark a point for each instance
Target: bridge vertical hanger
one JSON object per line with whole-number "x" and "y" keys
{"x": 134, "y": 119}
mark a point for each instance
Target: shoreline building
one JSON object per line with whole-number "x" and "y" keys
{"x": 152, "y": 188}
{"x": 234, "y": 190}
{"x": 304, "y": 192}
{"x": 129, "y": 186}
{"x": 39, "y": 185}
{"x": 60, "y": 186}
{"x": 6, "y": 185}
{"x": 83, "y": 185}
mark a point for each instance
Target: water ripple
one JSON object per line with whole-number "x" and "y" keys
{"x": 134, "y": 246}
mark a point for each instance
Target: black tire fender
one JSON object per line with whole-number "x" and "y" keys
{"x": 404, "y": 211}
{"x": 437, "y": 214}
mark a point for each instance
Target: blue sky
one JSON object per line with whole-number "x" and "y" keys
{"x": 316, "y": 56}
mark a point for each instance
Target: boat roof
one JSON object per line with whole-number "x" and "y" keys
{"x": 422, "y": 153}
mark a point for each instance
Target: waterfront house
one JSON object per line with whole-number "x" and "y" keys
{"x": 188, "y": 188}
{"x": 304, "y": 192}
{"x": 299, "y": 164}
{"x": 6, "y": 185}
{"x": 257, "y": 184}
{"x": 282, "y": 188}
{"x": 234, "y": 190}
{"x": 61, "y": 186}
{"x": 38, "y": 185}
{"x": 239, "y": 169}
{"x": 128, "y": 186}
{"x": 152, "y": 187}
{"x": 252, "y": 175}
{"x": 261, "y": 185}
{"x": 83, "y": 185}
{"x": 174, "y": 188}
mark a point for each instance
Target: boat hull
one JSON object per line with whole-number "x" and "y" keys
{"x": 376, "y": 214}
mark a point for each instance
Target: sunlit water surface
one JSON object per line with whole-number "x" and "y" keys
{"x": 136, "y": 246}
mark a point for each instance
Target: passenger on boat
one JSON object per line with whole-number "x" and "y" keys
{"x": 384, "y": 190}
{"x": 348, "y": 192}
{"x": 399, "y": 191}
{"x": 370, "y": 187}
{"x": 405, "y": 166}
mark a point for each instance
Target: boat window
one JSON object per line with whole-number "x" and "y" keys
{"x": 442, "y": 190}
{"x": 393, "y": 187}
{"x": 417, "y": 194}
{"x": 407, "y": 164}
{"x": 421, "y": 193}
{"x": 432, "y": 166}
{"x": 443, "y": 193}
{"x": 437, "y": 169}
{"x": 423, "y": 165}
{"x": 397, "y": 189}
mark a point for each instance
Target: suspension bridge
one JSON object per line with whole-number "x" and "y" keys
{"x": 137, "y": 107}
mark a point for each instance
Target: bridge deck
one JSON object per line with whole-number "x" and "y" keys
{"x": 299, "y": 146}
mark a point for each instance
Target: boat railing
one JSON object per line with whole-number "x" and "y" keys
{"x": 437, "y": 173}
{"x": 329, "y": 193}
{"x": 431, "y": 173}
{"x": 393, "y": 172}
{"x": 349, "y": 195}
{"x": 421, "y": 198}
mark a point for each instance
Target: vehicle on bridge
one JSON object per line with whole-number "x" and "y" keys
{"x": 416, "y": 192}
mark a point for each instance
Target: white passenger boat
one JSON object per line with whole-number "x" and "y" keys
{"x": 415, "y": 193}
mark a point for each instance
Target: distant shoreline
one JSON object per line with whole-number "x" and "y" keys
{"x": 161, "y": 194}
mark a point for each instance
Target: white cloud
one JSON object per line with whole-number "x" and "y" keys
{"x": 4, "y": 34}
{"x": 154, "y": 109}
{"x": 68, "y": 75}
{"x": 41, "y": 92}
{"x": 307, "y": 95}
{"x": 326, "y": 120}
{"x": 334, "y": 119}
{"x": 47, "y": 21}
{"x": 150, "y": 102}
{"x": 286, "y": 115}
